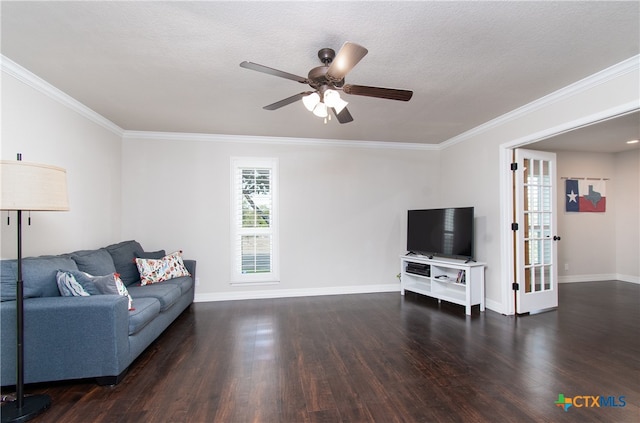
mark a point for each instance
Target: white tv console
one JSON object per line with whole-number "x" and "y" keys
{"x": 445, "y": 279}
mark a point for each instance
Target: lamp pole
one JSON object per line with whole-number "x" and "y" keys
{"x": 22, "y": 409}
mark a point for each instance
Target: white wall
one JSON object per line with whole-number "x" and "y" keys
{"x": 472, "y": 171}
{"x": 342, "y": 209}
{"x": 174, "y": 193}
{"x": 600, "y": 246}
{"x": 46, "y": 131}
{"x": 627, "y": 194}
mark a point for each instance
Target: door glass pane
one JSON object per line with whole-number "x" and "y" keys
{"x": 546, "y": 224}
{"x": 547, "y": 278}
{"x": 537, "y": 279}
{"x": 534, "y": 252}
{"x": 535, "y": 224}
{"x": 535, "y": 170}
{"x": 546, "y": 199}
{"x": 546, "y": 245}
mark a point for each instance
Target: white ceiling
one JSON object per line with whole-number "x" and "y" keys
{"x": 174, "y": 66}
{"x": 609, "y": 136}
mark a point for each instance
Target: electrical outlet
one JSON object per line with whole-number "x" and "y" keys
{"x": 566, "y": 266}
{"x": 197, "y": 281}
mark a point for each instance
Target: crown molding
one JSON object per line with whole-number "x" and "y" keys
{"x": 11, "y": 68}
{"x": 631, "y": 64}
{"x": 253, "y": 139}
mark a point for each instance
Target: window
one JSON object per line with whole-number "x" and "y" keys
{"x": 254, "y": 220}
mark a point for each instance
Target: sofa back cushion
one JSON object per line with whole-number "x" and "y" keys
{"x": 8, "y": 276}
{"x": 123, "y": 255}
{"x": 95, "y": 262}
{"x": 38, "y": 275}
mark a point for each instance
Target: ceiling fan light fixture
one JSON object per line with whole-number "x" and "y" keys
{"x": 332, "y": 99}
{"x": 311, "y": 101}
{"x": 320, "y": 110}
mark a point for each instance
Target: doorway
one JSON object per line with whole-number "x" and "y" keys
{"x": 507, "y": 196}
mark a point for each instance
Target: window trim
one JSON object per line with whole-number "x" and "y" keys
{"x": 237, "y": 277}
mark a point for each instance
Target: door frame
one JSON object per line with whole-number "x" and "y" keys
{"x": 506, "y": 190}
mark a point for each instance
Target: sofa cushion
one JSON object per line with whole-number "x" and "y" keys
{"x": 167, "y": 294}
{"x": 168, "y": 267}
{"x": 145, "y": 311}
{"x": 39, "y": 275}
{"x": 151, "y": 255}
{"x": 94, "y": 262}
{"x": 123, "y": 255}
{"x": 184, "y": 282}
{"x": 8, "y": 276}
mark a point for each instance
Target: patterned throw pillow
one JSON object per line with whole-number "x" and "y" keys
{"x": 158, "y": 270}
{"x": 68, "y": 286}
{"x": 77, "y": 283}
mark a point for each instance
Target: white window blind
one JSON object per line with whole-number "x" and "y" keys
{"x": 254, "y": 220}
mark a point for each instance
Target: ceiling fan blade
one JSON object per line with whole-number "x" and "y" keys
{"x": 274, "y": 72}
{"x": 348, "y": 56}
{"x": 388, "y": 93}
{"x": 286, "y": 101}
{"x": 344, "y": 116}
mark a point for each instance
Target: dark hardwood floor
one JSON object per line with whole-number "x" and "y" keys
{"x": 376, "y": 358}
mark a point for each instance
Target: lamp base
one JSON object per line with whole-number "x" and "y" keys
{"x": 32, "y": 406}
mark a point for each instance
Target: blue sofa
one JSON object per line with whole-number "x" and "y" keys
{"x": 93, "y": 336}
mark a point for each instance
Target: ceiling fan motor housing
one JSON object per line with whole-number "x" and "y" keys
{"x": 318, "y": 76}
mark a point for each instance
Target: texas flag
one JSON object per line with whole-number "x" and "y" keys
{"x": 585, "y": 195}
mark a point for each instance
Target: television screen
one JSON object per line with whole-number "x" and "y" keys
{"x": 443, "y": 232}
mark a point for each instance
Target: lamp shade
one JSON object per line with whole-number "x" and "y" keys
{"x": 332, "y": 99}
{"x": 311, "y": 101}
{"x": 33, "y": 186}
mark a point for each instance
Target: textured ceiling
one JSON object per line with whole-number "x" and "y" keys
{"x": 609, "y": 136}
{"x": 174, "y": 66}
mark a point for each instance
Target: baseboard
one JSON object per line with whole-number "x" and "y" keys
{"x": 599, "y": 278}
{"x": 628, "y": 278}
{"x": 288, "y": 293}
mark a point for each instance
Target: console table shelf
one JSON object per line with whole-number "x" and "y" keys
{"x": 450, "y": 280}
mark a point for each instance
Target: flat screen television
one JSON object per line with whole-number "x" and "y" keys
{"x": 444, "y": 232}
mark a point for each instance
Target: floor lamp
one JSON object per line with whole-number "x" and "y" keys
{"x": 28, "y": 187}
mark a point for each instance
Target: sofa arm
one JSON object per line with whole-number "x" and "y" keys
{"x": 191, "y": 267}
{"x": 67, "y": 338}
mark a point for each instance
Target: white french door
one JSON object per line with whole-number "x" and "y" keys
{"x": 535, "y": 241}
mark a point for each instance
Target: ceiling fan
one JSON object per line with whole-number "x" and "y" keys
{"x": 327, "y": 80}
